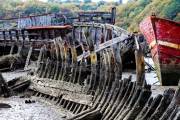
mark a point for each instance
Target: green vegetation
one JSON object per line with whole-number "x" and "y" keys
{"x": 128, "y": 15}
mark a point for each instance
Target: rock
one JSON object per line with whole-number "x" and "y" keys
{"x": 64, "y": 117}
{"x": 4, "y": 105}
{"x": 29, "y": 101}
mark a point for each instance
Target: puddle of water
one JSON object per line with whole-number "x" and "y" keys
{"x": 151, "y": 77}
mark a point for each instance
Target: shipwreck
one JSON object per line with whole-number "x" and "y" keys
{"x": 78, "y": 66}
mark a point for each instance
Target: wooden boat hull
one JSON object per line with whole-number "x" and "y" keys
{"x": 163, "y": 37}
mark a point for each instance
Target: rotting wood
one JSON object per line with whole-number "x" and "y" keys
{"x": 4, "y": 90}
{"x": 83, "y": 74}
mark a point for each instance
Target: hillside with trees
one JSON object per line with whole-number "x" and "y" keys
{"x": 128, "y": 15}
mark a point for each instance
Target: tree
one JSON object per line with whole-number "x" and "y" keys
{"x": 76, "y": 1}
{"x": 54, "y": 8}
{"x": 87, "y": 1}
{"x": 101, "y": 2}
{"x": 172, "y": 9}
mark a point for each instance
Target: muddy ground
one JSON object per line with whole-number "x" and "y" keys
{"x": 40, "y": 110}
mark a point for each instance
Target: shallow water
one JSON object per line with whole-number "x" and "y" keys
{"x": 151, "y": 77}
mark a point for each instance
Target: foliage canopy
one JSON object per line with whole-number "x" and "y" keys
{"x": 128, "y": 15}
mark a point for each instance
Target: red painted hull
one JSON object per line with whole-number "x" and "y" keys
{"x": 163, "y": 37}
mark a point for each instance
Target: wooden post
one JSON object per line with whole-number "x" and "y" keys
{"x": 4, "y": 87}
{"x": 28, "y": 58}
{"x": 140, "y": 64}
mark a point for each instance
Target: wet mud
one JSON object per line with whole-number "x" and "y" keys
{"x": 39, "y": 110}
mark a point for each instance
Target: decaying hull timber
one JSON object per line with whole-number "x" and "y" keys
{"x": 81, "y": 72}
{"x": 18, "y": 46}
{"x": 13, "y": 61}
{"x": 79, "y": 35}
{"x": 10, "y": 61}
{"x": 56, "y": 19}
